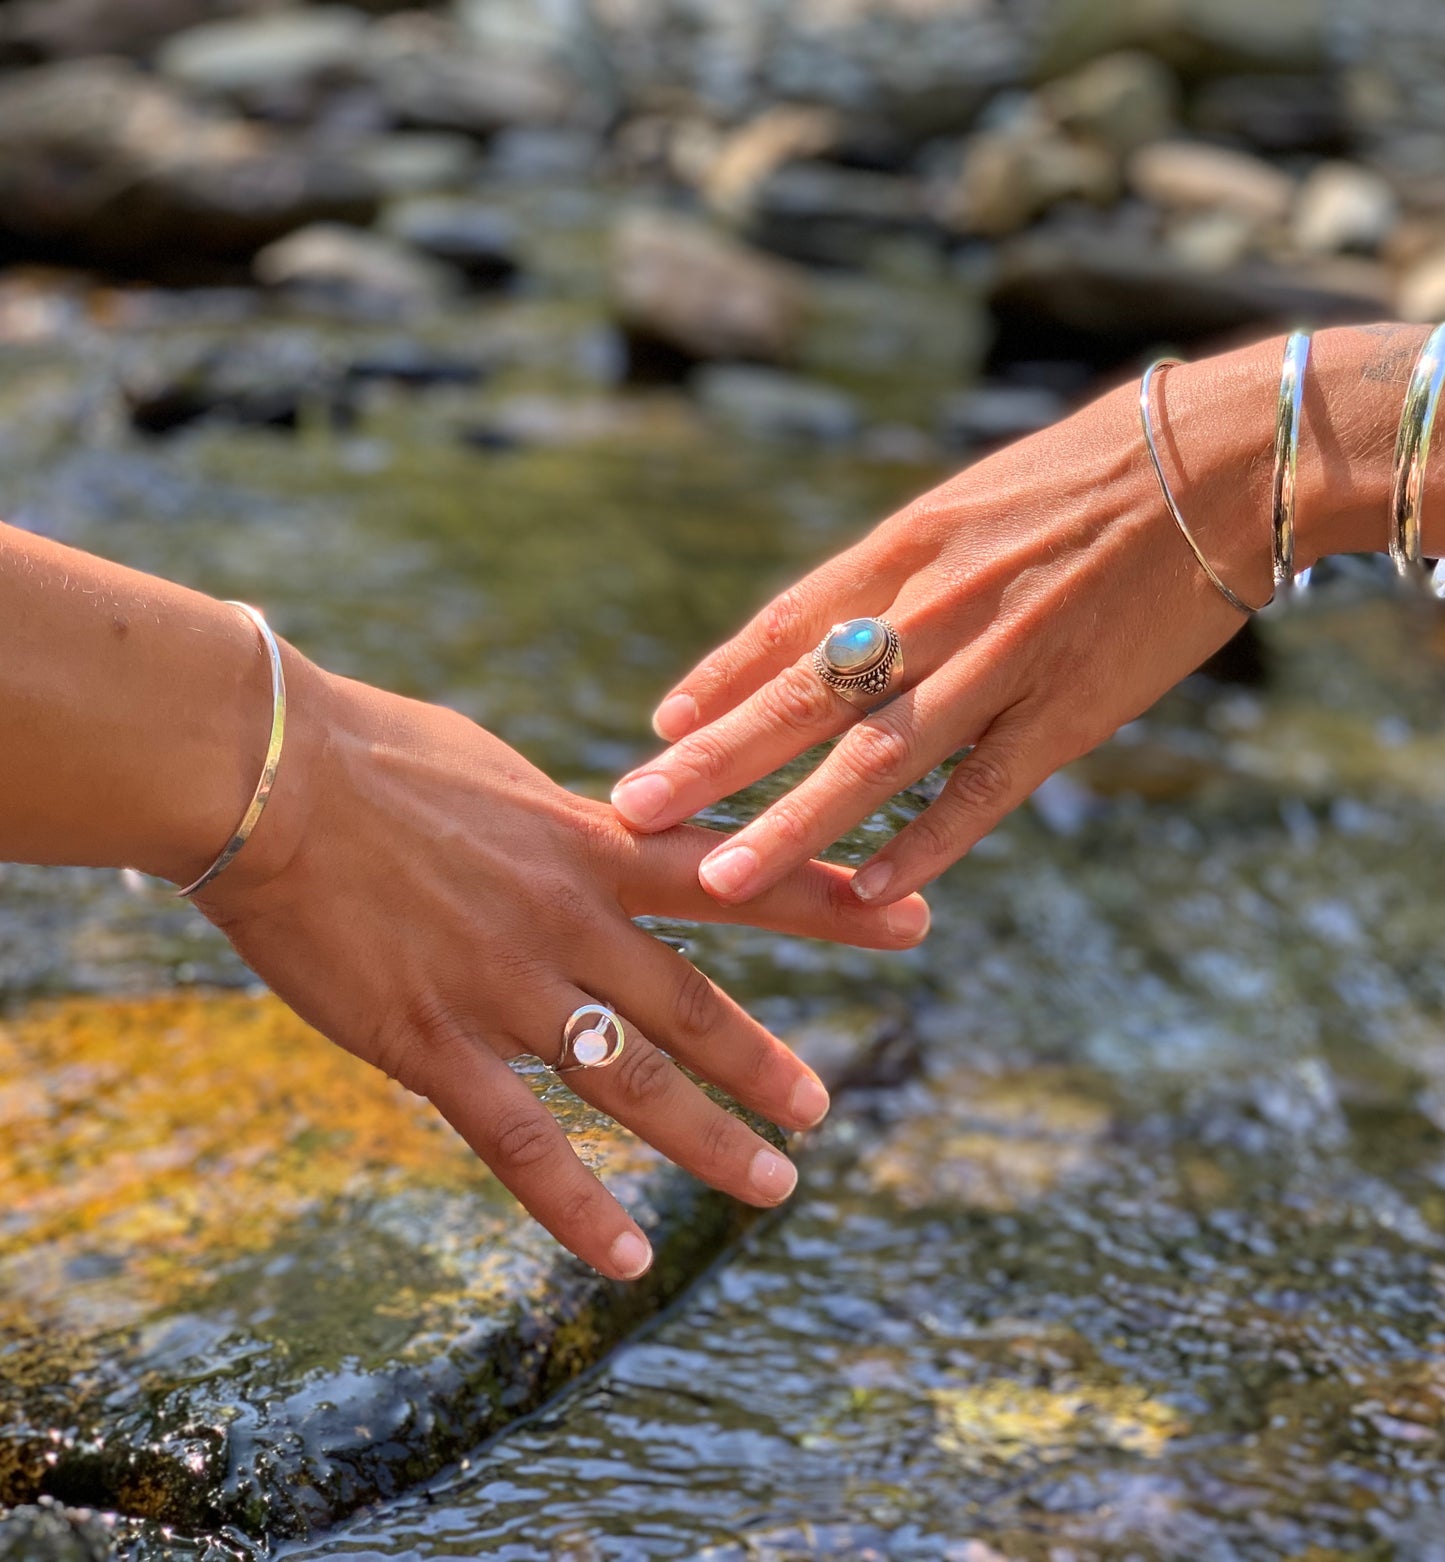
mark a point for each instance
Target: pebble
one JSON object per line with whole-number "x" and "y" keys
{"x": 1342, "y": 206}
{"x": 1193, "y": 176}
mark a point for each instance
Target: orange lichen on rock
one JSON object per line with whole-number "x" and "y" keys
{"x": 158, "y": 1134}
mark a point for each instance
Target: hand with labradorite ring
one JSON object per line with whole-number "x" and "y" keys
{"x": 1044, "y": 596}
{"x": 861, "y": 660}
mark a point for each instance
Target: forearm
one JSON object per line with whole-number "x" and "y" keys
{"x": 135, "y": 714}
{"x": 1217, "y": 419}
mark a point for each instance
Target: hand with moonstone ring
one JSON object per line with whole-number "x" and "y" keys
{"x": 1042, "y": 598}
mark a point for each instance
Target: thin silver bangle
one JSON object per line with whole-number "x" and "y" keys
{"x": 1233, "y": 598}
{"x": 1412, "y": 451}
{"x": 257, "y": 806}
{"x": 1286, "y": 460}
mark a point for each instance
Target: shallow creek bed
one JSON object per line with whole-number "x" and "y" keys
{"x": 1125, "y": 1242}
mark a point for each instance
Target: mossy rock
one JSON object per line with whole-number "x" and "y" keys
{"x": 246, "y": 1280}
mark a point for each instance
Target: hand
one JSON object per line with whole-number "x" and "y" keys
{"x": 1043, "y": 598}
{"x": 430, "y": 901}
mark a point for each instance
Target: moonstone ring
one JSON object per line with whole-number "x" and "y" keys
{"x": 592, "y": 1038}
{"x": 861, "y": 660}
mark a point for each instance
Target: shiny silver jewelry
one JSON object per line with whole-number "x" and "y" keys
{"x": 1412, "y": 451}
{"x": 1176, "y": 514}
{"x": 861, "y": 660}
{"x": 1286, "y": 460}
{"x": 592, "y": 1038}
{"x": 257, "y": 805}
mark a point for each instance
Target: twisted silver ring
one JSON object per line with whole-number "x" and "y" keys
{"x": 590, "y": 1045}
{"x": 861, "y": 660}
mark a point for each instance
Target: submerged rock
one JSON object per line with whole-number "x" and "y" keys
{"x": 356, "y": 271}
{"x": 475, "y": 236}
{"x": 245, "y": 1280}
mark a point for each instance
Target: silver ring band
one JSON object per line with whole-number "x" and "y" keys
{"x": 593, "y": 1037}
{"x": 861, "y": 660}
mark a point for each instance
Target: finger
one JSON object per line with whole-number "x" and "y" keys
{"x": 509, "y": 1128}
{"x": 696, "y": 1022}
{"x": 848, "y": 586}
{"x": 874, "y": 761}
{"x": 1005, "y": 767}
{"x": 646, "y": 1092}
{"x": 660, "y": 878}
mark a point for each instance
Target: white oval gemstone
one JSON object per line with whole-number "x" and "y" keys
{"x": 590, "y": 1048}
{"x": 855, "y": 645}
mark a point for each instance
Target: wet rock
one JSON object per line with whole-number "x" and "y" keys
{"x": 1121, "y": 101}
{"x": 1191, "y": 176}
{"x": 1014, "y": 175}
{"x": 751, "y": 153}
{"x": 430, "y": 78}
{"x": 1421, "y": 291}
{"x": 770, "y": 404}
{"x": 1211, "y": 241}
{"x": 677, "y": 282}
{"x": 50, "y": 29}
{"x": 267, "y": 380}
{"x": 1342, "y": 206}
{"x": 413, "y": 162}
{"x": 1107, "y": 294}
{"x": 1200, "y": 37}
{"x": 352, "y": 1303}
{"x": 830, "y": 215}
{"x": 108, "y": 163}
{"x": 46, "y": 1532}
{"x": 1274, "y": 113}
{"x": 994, "y": 414}
{"x": 534, "y": 420}
{"x": 479, "y": 239}
{"x": 356, "y": 271}
{"x": 268, "y": 58}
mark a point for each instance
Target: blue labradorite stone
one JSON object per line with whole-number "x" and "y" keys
{"x": 856, "y": 645}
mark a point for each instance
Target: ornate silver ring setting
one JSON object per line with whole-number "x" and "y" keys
{"x": 592, "y": 1038}
{"x": 861, "y": 660}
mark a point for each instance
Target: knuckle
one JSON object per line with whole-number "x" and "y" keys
{"x": 704, "y": 755}
{"x": 580, "y": 1209}
{"x": 797, "y": 699}
{"x": 646, "y": 1076}
{"x": 782, "y": 621}
{"x": 789, "y": 824}
{"x": 981, "y": 782}
{"x": 697, "y": 1008}
{"x": 880, "y": 753}
{"x": 716, "y": 1141}
{"x": 423, "y": 1038}
{"x": 522, "y": 1140}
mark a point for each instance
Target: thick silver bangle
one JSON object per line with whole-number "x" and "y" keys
{"x": 257, "y": 806}
{"x": 1146, "y": 381}
{"x": 1286, "y": 460}
{"x": 1412, "y": 451}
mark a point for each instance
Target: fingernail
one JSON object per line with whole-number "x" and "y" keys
{"x": 675, "y": 717}
{"x": 727, "y": 872}
{"x": 909, "y": 918}
{"x": 631, "y": 1255}
{"x": 809, "y": 1104}
{"x": 870, "y": 882}
{"x": 773, "y": 1176}
{"x": 640, "y": 801}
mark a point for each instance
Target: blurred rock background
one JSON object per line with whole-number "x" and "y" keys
{"x": 920, "y": 224}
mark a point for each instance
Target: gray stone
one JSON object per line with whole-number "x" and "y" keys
{"x": 411, "y": 162}
{"x": 354, "y": 1302}
{"x": 46, "y": 1532}
{"x": 1193, "y": 176}
{"x": 679, "y": 282}
{"x": 770, "y": 404}
{"x": 1342, "y": 206}
{"x": 431, "y": 78}
{"x": 1014, "y": 175}
{"x": 64, "y": 29}
{"x": 827, "y": 214}
{"x": 476, "y": 237}
{"x": 1200, "y": 37}
{"x": 1120, "y": 101}
{"x": 261, "y": 55}
{"x": 993, "y": 414}
{"x": 149, "y": 177}
{"x": 356, "y": 270}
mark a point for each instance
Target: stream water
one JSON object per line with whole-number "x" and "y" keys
{"x": 1129, "y": 1247}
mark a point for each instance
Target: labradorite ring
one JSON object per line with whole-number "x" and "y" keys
{"x": 861, "y": 660}
{"x": 592, "y": 1038}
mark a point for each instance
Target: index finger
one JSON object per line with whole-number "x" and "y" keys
{"x": 790, "y": 625}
